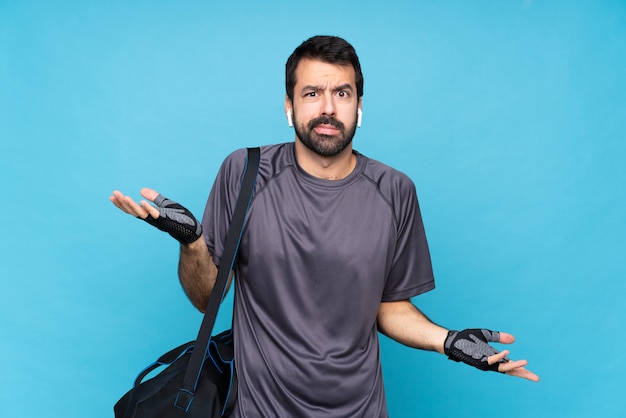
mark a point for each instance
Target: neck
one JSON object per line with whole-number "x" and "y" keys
{"x": 336, "y": 167}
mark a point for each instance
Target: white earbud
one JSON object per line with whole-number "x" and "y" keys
{"x": 289, "y": 119}
{"x": 359, "y": 118}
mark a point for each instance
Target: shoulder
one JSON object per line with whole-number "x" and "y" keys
{"x": 389, "y": 181}
{"x": 274, "y": 159}
{"x": 275, "y": 155}
{"x": 395, "y": 188}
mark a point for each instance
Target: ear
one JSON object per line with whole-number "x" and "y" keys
{"x": 359, "y": 113}
{"x": 289, "y": 111}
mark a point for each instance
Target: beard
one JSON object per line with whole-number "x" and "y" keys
{"x": 325, "y": 145}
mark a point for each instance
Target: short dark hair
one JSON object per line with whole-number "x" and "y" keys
{"x": 329, "y": 49}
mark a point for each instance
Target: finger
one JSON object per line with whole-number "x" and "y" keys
{"x": 525, "y": 374}
{"x": 115, "y": 198}
{"x": 506, "y": 338}
{"x": 133, "y": 208}
{"x": 496, "y": 358}
{"x": 511, "y": 366}
{"x": 124, "y": 203}
{"x": 149, "y": 193}
{"x": 151, "y": 210}
{"x": 517, "y": 369}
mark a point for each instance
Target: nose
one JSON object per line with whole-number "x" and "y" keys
{"x": 328, "y": 106}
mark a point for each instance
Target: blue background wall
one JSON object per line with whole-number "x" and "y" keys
{"x": 509, "y": 116}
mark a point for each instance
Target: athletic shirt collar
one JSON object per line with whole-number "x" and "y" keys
{"x": 328, "y": 184}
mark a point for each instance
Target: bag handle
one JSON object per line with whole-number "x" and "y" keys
{"x": 192, "y": 374}
{"x": 167, "y": 358}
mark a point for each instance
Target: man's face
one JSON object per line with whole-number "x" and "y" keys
{"x": 324, "y": 106}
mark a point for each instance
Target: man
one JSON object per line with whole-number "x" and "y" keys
{"x": 333, "y": 250}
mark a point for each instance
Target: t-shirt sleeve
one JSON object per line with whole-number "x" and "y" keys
{"x": 411, "y": 270}
{"x": 221, "y": 203}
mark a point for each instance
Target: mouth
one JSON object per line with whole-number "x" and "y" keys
{"x": 326, "y": 125}
{"x": 324, "y": 129}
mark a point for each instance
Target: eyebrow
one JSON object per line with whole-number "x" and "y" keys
{"x": 345, "y": 86}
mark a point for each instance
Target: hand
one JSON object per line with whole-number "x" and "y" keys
{"x": 168, "y": 216}
{"x": 128, "y": 205}
{"x": 471, "y": 346}
{"x": 512, "y": 368}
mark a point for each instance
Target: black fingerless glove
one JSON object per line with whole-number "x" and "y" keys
{"x": 176, "y": 220}
{"x": 471, "y": 347}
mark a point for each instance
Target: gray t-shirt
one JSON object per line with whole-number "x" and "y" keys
{"x": 316, "y": 259}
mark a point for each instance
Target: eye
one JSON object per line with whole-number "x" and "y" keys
{"x": 310, "y": 94}
{"x": 343, "y": 94}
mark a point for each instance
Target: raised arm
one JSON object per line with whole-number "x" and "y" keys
{"x": 403, "y": 322}
{"x": 196, "y": 270}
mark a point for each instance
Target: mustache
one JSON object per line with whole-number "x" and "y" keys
{"x": 326, "y": 120}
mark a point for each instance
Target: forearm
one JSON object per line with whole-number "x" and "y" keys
{"x": 403, "y": 322}
{"x": 197, "y": 273}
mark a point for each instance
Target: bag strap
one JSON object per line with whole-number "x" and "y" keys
{"x": 192, "y": 374}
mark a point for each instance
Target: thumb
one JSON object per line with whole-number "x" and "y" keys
{"x": 149, "y": 194}
{"x": 506, "y": 338}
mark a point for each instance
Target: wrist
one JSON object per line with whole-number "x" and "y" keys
{"x": 196, "y": 245}
{"x": 442, "y": 338}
